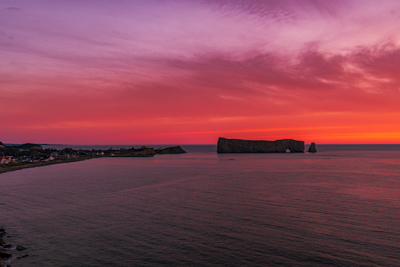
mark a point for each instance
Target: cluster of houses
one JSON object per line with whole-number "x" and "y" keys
{"x": 35, "y": 153}
{"x": 28, "y": 152}
{"x": 6, "y": 159}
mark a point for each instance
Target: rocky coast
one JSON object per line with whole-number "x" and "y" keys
{"x": 7, "y": 250}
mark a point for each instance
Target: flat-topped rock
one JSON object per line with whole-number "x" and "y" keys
{"x": 259, "y": 146}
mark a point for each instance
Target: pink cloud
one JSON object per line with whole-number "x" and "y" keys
{"x": 72, "y": 69}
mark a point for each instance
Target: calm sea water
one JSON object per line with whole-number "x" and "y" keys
{"x": 338, "y": 207}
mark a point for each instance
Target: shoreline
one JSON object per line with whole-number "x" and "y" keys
{"x": 40, "y": 164}
{"x": 143, "y": 152}
{"x": 7, "y": 250}
{"x": 4, "y": 169}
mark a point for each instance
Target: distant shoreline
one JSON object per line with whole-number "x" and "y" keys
{"x": 70, "y": 155}
{"x": 4, "y": 169}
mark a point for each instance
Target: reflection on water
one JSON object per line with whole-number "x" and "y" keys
{"x": 335, "y": 207}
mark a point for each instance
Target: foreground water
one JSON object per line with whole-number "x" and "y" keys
{"x": 337, "y": 207}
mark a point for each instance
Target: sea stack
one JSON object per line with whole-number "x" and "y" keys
{"x": 259, "y": 146}
{"x": 312, "y": 148}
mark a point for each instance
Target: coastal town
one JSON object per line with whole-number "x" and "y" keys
{"x": 31, "y": 155}
{"x": 15, "y": 157}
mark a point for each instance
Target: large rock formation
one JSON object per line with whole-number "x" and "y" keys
{"x": 248, "y": 146}
{"x": 312, "y": 148}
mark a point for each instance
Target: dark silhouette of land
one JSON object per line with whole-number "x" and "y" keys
{"x": 16, "y": 157}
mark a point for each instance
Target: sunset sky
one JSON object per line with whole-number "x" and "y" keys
{"x": 187, "y": 72}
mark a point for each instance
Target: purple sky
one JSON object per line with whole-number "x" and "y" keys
{"x": 170, "y": 71}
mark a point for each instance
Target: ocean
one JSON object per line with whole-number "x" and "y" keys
{"x": 337, "y": 207}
